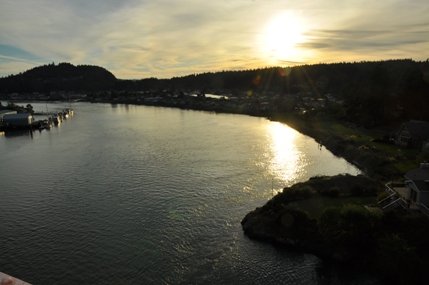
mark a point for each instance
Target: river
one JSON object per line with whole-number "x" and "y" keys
{"x": 124, "y": 194}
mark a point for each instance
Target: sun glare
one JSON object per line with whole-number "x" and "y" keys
{"x": 285, "y": 164}
{"x": 280, "y": 38}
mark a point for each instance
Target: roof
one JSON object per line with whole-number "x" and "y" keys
{"x": 418, "y": 174}
{"x": 418, "y": 129}
{"x": 420, "y": 177}
{"x": 17, "y": 116}
{"x": 7, "y": 112}
{"x": 422, "y": 185}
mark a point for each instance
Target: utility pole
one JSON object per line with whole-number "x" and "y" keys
{"x": 272, "y": 191}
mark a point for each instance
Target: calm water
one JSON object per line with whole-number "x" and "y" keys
{"x": 124, "y": 194}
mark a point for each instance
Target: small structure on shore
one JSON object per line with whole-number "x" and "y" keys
{"x": 6, "y": 112}
{"x": 18, "y": 120}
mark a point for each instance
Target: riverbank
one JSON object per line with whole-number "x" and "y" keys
{"x": 369, "y": 150}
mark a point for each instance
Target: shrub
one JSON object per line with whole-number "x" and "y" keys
{"x": 396, "y": 260}
{"x": 357, "y": 191}
{"x": 304, "y": 192}
{"x": 364, "y": 147}
{"x": 297, "y": 192}
{"x": 381, "y": 196}
{"x": 348, "y": 227}
{"x": 332, "y": 192}
{"x": 297, "y": 224}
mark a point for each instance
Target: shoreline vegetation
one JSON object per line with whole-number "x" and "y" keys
{"x": 337, "y": 218}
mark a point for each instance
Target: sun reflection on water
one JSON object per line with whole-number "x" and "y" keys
{"x": 287, "y": 161}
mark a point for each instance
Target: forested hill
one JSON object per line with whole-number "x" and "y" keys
{"x": 392, "y": 75}
{"x": 317, "y": 78}
{"x": 63, "y": 76}
{"x": 377, "y": 80}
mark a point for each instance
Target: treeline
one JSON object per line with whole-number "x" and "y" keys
{"x": 367, "y": 93}
{"x": 344, "y": 78}
{"x": 317, "y": 78}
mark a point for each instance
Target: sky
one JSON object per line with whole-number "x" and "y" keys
{"x": 137, "y": 39}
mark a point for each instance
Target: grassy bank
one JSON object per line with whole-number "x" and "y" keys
{"x": 370, "y": 150}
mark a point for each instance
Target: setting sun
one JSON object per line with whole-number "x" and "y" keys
{"x": 280, "y": 38}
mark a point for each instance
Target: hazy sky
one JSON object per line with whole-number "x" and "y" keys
{"x": 164, "y": 38}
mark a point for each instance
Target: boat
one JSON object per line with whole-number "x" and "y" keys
{"x": 56, "y": 119}
{"x": 46, "y": 124}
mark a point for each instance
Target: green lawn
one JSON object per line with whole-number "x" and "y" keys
{"x": 389, "y": 158}
{"x": 403, "y": 159}
{"x": 317, "y": 203}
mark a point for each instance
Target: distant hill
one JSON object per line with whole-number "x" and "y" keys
{"x": 392, "y": 76}
{"x": 63, "y": 76}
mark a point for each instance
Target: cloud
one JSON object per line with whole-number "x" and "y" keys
{"x": 390, "y": 29}
{"x": 406, "y": 41}
{"x": 165, "y": 38}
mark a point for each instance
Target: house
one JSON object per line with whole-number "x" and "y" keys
{"x": 417, "y": 184}
{"x": 413, "y": 134}
{"x": 18, "y": 120}
{"x": 5, "y": 112}
{"x": 412, "y": 195}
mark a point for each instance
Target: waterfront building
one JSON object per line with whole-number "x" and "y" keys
{"x": 5, "y": 112}
{"x": 18, "y": 120}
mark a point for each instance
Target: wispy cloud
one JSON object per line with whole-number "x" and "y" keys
{"x": 141, "y": 38}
